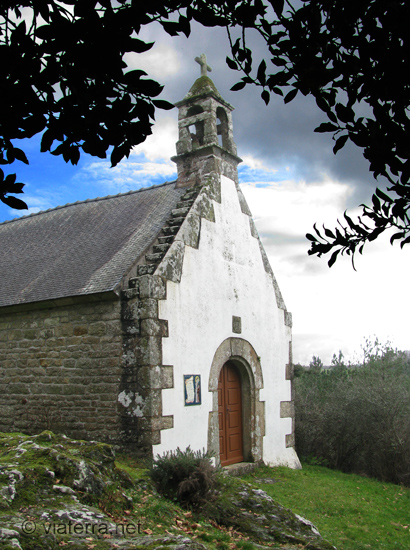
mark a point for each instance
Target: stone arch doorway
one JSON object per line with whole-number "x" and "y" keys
{"x": 243, "y": 359}
{"x": 230, "y": 415}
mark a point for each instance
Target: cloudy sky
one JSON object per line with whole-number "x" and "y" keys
{"x": 290, "y": 178}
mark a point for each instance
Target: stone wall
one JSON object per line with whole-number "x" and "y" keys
{"x": 60, "y": 369}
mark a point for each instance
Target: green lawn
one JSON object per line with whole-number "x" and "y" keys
{"x": 350, "y": 511}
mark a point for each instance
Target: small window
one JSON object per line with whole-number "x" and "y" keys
{"x": 222, "y": 128}
{"x": 196, "y": 130}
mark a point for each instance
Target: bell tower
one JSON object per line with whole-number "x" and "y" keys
{"x": 205, "y": 143}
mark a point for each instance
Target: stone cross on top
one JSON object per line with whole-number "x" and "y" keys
{"x": 204, "y": 66}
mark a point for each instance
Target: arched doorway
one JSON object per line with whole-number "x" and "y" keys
{"x": 239, "y": 353}
{"x": 230, "y": 415}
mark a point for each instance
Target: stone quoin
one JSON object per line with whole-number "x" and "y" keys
{"x": 152, "y": 319}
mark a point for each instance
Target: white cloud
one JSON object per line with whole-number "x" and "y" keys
{"x": 256, "y": 164}
{"x": 37, "y": 203}
{"x": 294, "y": 206}
{"x": 161, "y": 61}
{"x": 130, "y": 174}
{"x": 332, "y": 308}
{"x": 160, "y": 145}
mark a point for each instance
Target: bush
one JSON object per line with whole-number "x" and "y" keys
{"x": 356, "y": 418}
{"x": 184, "y": 476}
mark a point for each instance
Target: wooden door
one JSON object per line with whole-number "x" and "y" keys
{"x": 230, "y": 415}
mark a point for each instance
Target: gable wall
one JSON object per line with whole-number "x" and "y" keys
{"x": 60, "y": 369}
{"x": 222, "y": 278}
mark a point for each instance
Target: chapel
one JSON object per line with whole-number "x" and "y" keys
{"x": 152, "y": 319}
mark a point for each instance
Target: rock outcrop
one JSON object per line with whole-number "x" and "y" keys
{"x": 59, "y": 492}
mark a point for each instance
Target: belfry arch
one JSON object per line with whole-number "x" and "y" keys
{"x": 240, "y": 353}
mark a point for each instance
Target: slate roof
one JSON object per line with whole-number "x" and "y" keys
{"x": 81, "y": 248}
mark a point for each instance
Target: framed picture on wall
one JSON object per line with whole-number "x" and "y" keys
{"x": 192, "y": 389}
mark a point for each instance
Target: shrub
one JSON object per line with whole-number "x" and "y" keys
{"x": 356, "y": 418}
{"x": 184, "y": 476}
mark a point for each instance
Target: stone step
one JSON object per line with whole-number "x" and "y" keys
{"x": 191, "y": 194}
{"x": 179, "y": 212}
{"x": 146, "y": 269}
{"x": 166, "y": 240}
{"x": 176, "y": 221}
{"x": 185, "y": 204}
{"x": 161, "y": 248}
{"x": 170, "y": 230}
{"x": 239, "y": 469}
{"x": 154, "y": 258}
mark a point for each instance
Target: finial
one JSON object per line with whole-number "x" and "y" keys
{"x": 202, "y": 61}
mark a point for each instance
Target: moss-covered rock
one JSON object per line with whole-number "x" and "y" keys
{"x": 254, "y": 513}
{"x": 47, "y": 466}
{"x": 57, "y": 492}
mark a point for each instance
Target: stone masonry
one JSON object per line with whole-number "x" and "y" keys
{"x": 61, "y": 368}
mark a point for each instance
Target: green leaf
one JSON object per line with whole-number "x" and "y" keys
{"x": 340, "y": 142}
{"x": 238, "y": 86}
{"x": 46, "y": 141}
{"x": 277, "y": 5}
{"x": 118, "y": 153}
{"x": 333, "y": 258}
{"x": 15, "y": 203}
{"x": 171, "y": 27}
{"x": 291, "y": 95}
{"x": 261, "y": 74}
{"x": 20, "y": 155}
{"x": 375, "y": 233}
{"x": 406, "y": 241}
{"x": 397, "y": 236}
{"x": 161, "y": 104}
{"x": 383, "y": 196}
{"x": 139, "y": 46}
{"x": 231, "y": 64}
{"x": 9, "y": 181}
{"x": 345, "y": 114}
{"x": 185, "y": 25}
{"x": 376, "y": 203}
{"x": 326, "y": 127}
{"x": 265, "y": 95}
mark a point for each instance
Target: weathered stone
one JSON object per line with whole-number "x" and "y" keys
{"x": 254, "y": 513}
{"x": 171, "y": 267}
{"x": 161, "y": 248}
{"x": 287, "y": 409}
{"x": 170, "y": 230}
{"x": 236, "y": 325}
{"x": 154, "y": 258}
{"x": 154, "y": 327}
{"x": 152, "y": 286}
{"x": 144, "y": 270}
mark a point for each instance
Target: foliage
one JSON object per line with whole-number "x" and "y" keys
{"x": 64, "y": 75}
{"x": 184, "y": 476}
{"x": 356, "y": 418}
{"x": 316, "y": 364}
{"x": 349, "y": 57}
{"x": 351, "y": 511}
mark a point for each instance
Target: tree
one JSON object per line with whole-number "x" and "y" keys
{"x": 316, "y": 364}
{"x": 351, "y": 56}
{"x": 63, "y": 75}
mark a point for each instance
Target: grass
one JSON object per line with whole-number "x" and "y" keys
{"x": 350, "y": 511}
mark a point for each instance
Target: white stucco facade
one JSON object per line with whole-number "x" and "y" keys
{"x": 224, "y": 276}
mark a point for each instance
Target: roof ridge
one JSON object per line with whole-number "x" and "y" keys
{"x": 96, "y": 199}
